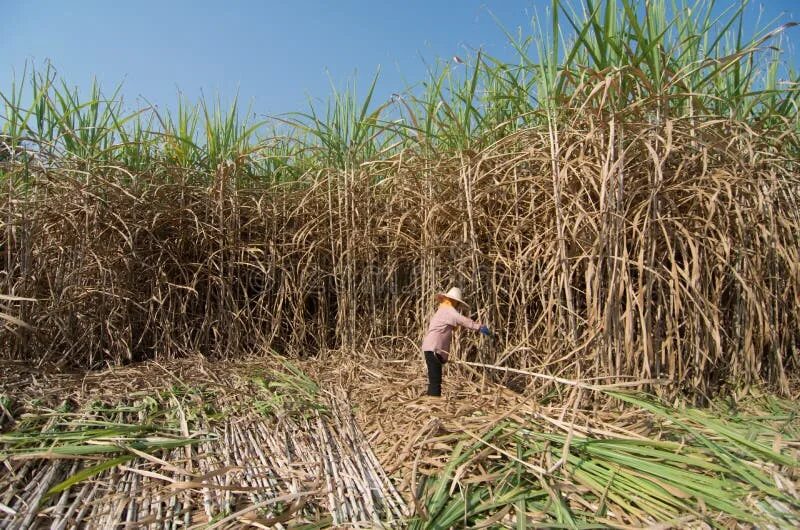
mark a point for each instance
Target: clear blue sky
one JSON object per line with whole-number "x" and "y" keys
{"x": 274, "y": 53}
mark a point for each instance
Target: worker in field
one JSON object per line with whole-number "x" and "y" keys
{"x": 436, "y": 344}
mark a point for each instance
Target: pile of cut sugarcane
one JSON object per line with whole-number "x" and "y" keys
{"x": 239, "y": 446}
{"x": 259, "y": 443}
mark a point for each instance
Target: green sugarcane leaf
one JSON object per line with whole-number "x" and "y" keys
{"x": 86, "y": 473}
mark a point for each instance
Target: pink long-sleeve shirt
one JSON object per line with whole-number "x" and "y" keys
{"x": 440, "y": 330}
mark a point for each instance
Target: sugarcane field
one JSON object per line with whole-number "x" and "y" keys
{"x": 554, "y": 289}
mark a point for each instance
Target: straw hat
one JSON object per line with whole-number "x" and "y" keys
{"x": 453, "y": 294}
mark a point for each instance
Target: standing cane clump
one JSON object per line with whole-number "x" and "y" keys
{"x": 623, "y": 199}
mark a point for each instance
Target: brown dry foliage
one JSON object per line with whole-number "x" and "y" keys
{"x": 666, "y": 251}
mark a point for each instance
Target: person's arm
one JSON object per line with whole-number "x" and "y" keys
{"x": 468, "y": 323}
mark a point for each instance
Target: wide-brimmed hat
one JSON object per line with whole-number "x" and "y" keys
{"x": 453, "y": 294}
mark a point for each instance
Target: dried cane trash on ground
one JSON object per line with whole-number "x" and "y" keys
{"x": 390, "y": 403}
{"x": 483, "y": 456}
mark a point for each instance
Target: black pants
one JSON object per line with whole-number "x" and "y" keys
{"x": 434, "y": 373}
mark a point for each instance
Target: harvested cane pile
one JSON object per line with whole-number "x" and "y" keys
{"x": 189, "y": 445}
{"x": 666, "y": 251}
{"x": 224, "y": 445}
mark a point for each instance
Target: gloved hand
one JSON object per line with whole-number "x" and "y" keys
{"x": 485, "y": 330}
